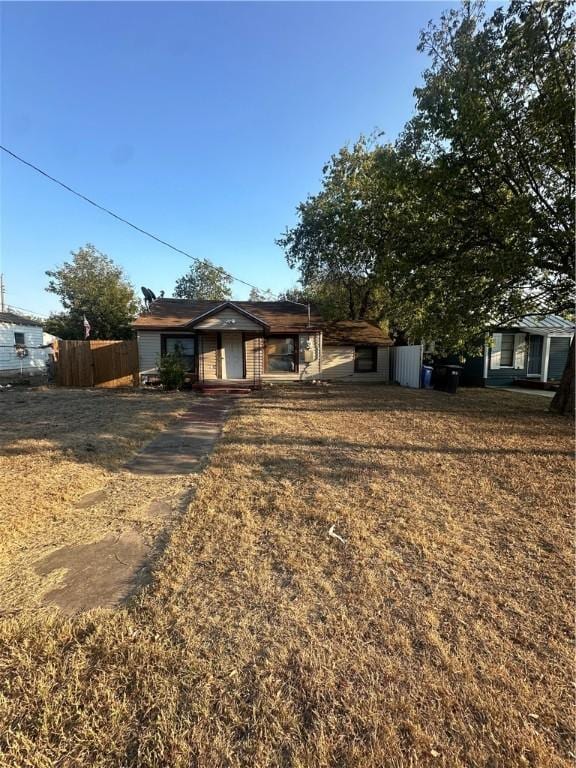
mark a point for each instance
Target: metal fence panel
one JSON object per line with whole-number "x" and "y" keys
{"x": 407, "y": 365}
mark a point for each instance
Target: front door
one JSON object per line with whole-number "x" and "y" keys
{"x": 535, "y": 355}
{"x": 232, "y": 356}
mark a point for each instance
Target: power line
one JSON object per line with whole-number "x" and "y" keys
{"x": 10, "y": 307}
{"x": 125, "y": 221}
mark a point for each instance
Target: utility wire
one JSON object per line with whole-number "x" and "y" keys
{"x": 129, "y": 223}
{"x": 22, "y": 309}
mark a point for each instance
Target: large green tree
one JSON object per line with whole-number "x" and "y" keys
{"x": 91, "y": 285}
{"x": 495, "y": 128}
{"x": 204, "y": 281}
{"x": 344, "y": 244}
{"x": 469, "y": 219}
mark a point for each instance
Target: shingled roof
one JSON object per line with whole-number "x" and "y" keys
{"x": 354, "y": 332}
{"x": 14, "y": 319}
{"x": 177, "y": 314}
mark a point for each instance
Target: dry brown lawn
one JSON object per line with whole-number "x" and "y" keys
{"x": 57, "y": 445}
{"x": 438, "y": 634}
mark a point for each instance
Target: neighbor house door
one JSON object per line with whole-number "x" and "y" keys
{"x": 232, "y": 356}
{"x": 535, "y": 355}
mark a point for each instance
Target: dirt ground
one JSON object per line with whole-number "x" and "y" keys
{"x": 436, "y": 631}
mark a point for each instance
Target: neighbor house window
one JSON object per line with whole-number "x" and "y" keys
{"x": 185, "y": 345}
{"x": 365, "y": 359}
{"x": 507, "y": 350}
{"x": 281, "y": 354}
{"x": 19, "y": 339}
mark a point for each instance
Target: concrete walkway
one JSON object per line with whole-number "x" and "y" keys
{"x": 538, "y": 392}
{"x": 182, "y": 447}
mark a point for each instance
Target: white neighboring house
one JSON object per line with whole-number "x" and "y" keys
{"x": 23, "y": 352}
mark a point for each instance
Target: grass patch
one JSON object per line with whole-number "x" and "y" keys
{"x": 439, "y": 633}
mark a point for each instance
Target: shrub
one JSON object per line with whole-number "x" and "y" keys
{"x": 172, "y": 370}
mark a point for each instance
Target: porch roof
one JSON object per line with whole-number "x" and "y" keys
{"x": 540, "y": 325}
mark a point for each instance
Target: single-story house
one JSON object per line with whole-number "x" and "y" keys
{"x": 534, "y": 349}
{"x": 23, "y": 354}
{"x": 250, "y": 342}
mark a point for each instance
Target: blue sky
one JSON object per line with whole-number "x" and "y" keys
{"x": 206, "y": 123}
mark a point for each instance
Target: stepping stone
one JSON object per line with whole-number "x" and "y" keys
{"x": 90, "y": 499}
{"x": 158, "y": 510}
{"x": 185, "y": 444}
{"x": 98, "y": 575}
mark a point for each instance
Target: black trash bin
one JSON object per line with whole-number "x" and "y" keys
{"x": 446, "y": 378}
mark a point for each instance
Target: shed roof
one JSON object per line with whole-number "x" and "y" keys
{"x": 355, "y": 332}
{"x": 14, "y": 319}
{"x": 547, "y": 323}
{"x": 279, "y": 316}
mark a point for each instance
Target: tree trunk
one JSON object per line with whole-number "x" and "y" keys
{"x": 563, "y": 400}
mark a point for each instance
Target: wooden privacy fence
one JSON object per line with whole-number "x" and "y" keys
{"x": 96, "y": 363}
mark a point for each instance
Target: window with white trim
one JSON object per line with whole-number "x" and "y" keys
{"x": 507, "y": 351}
{"x": 19, "y": 339}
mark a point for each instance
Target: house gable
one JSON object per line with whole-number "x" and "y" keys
{"x": 228, "y": 316}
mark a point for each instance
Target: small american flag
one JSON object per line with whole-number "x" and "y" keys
{"x": 86, "y": 328}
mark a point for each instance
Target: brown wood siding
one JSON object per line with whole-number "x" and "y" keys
{"x": 254, "y": 354}
{"x": 208, "y": 357}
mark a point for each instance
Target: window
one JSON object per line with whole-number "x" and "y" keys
{"x": 185, "y": 345}
{"x": 19, "y": 339}
{"x": 507, "y": 350}
{"x": 365, "y": 359}
{"x": 282, "y": 354}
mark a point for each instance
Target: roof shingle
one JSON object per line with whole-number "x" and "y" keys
{"x": 281, "y": 316}
{"x": 14, "y": 319}
{"x": 354, "y": 332}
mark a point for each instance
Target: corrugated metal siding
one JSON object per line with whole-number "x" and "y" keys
{"x": 559, "y": 348}
{"x": 408, "y": 365}
{"x": 9, "y": 360}
{"x": 148, "y": 349}
{"x": 218, "y": 322}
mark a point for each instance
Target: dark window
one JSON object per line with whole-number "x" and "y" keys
{"x": 281, "y": 354}
{"x": 365, "y": 359}
{"x": 185, "y": 345}
{"x": 507, "y": 351}
{"x": 19, "y": 338}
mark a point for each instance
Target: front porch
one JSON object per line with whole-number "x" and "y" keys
{"x": 228, "y": 360}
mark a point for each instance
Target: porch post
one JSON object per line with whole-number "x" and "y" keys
{"x": 545, "y": 358}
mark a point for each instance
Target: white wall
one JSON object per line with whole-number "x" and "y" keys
{"x": 338, "y": 363}
{"x": 36, "y": 358}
